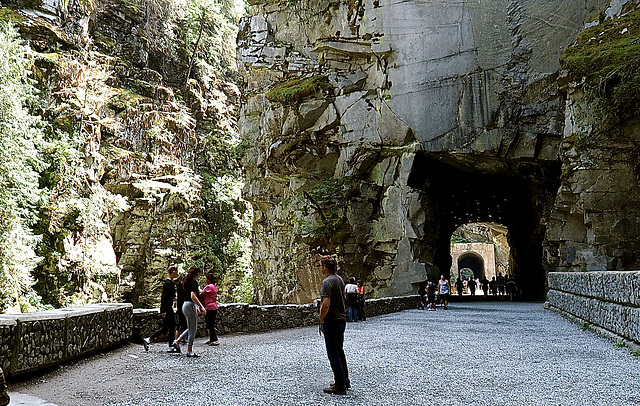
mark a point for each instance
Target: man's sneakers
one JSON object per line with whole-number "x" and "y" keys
{"x": 335, "y": 390}
{"x": 192, "y": 355}
{"x": 146, "y": 342}
{"x": 176, "y": 347}
{"x": 213, "y": 343}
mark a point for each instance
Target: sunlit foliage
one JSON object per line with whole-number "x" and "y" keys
{"x": 20, "y": 162}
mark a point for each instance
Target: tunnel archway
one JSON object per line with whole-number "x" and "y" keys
{"x": 466, "y": 189}
{"x": 474, "y": 262}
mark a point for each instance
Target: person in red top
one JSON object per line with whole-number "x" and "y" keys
{"x": 209, "y": 296}
{"x": 361, "y": 315}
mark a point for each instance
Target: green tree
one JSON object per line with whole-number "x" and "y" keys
{"x": 215, "y": 23}
{"x": 20, "y": 163}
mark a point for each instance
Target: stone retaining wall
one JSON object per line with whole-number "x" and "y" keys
{"x": 246, "y": 318}
{"x": 608, "y": 300}
{"x": 39, "y": 340}
{"x": 4, "y": 391}
{"x": 30, "y": 342}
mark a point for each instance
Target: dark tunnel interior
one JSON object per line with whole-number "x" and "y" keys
{"x": 473, "y": 262}
{"x": 514, "y": 198}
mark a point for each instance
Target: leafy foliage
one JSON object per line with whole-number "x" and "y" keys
{"x": 20, "y": 162}
{"x": 55, "y": 210}
{"x": 228, "y": 218}
{"x": 218, "y": 20}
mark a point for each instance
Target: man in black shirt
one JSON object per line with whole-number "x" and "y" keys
{"x": 166, "y": 311}
{"x": 334, "y": 321}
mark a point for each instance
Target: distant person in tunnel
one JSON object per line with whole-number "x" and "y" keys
{"x": 361, "y": 301}
{"x": 511, "y": 287}
{"x": 333, "y": 322}
{"x": 493, "y": 286}
{"x": 431, "y": 295}
{"x": 459, "y": 286}
{"x": 500, "y": 284}
{"x": 444, "y": 289}
{"x": 471, "y": 284}
{"x": 422, "y": 295}
{"x": 484, "y": 282}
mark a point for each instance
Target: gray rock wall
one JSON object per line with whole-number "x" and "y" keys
{"x": 468, "y": 84}
{"x": 39, "y": 340}
{"x": 609, "y": 300}
{"x": 595, "y": 224}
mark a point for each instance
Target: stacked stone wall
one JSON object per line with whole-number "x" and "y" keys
{"x": 4, "y": 391}
{"x": 246, "y": 318}
{"x": 7, "y": 339}
{"x": 45, "y": 339}
{"x": 608, "y": 300}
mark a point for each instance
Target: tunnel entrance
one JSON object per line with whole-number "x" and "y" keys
{"x": 459, "y": 192}
{"x": 473, "y": 262}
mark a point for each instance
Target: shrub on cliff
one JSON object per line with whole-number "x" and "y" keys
{"x": 607, "y": 57}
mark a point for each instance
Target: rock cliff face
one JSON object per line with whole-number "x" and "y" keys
{"x": 376, "y": 128}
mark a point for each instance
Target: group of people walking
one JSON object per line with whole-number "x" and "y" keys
{"x": 430, "y": 293}
{"x": 497, "y": 286}
{"x": 191, "y": 301}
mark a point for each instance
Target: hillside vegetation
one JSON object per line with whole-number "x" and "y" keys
{"x": 119, "y": 152}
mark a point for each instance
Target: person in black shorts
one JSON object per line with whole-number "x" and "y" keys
{"x": 431, "y": 295}
{"x": 422, "y": 294}
{"x": 444, "y": 289}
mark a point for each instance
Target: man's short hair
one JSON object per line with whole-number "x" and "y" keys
{"x": 328, "y": 262}
{"x": 172, "y": 269}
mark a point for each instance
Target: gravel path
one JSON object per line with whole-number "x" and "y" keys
{"x": 492, "y": 353}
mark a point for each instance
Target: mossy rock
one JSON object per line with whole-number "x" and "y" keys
{"x": 29, "y": 3}
{"x": 65, "y": 123}
{"x": 292, "y": 91}
{"x": 103, "y": 42}
{"x": 131, "y": 8}
{"x": 607, "y": 56}
{"x": 7, "y": 14}
{"x": 127, "y": 98}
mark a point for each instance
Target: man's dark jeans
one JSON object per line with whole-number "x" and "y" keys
{"x": 168, "y": 328}
{"x": 334, "y": 339}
